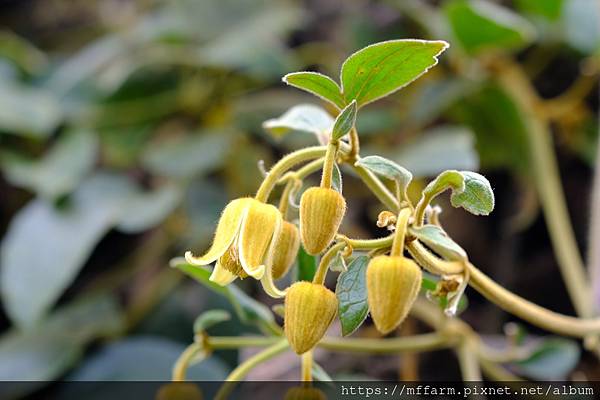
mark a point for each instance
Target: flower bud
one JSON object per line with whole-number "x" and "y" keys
{"x": 393, "y": 284}
{"x": 305, "y": 393}
{"x": 285, "y": 250}
{"x": 309, "y": 310}
{"x": 321, "y": 213}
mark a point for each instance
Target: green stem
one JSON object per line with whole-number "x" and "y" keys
{"x": 469, "y": 364}
{"x": 328, "y": 164}
{"x": 307, "y": 362}
{"x": 235, "y": 342}
{"x": 400, "y": 233}
{"x": 366, "y": 244}
{"x": 547, "y": 180}
{"x": 183, "y": 362}
{"x": 321, "y": 273}
{"x": 377, "y": 187}
{"x": 415, "y": 343}
{"x": 284, "y": 165}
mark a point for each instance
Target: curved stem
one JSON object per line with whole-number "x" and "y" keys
{"x": 304, "y": 171}
{"x": 284, "y": 201}
{"x": 400, "y": 233}
{"x": 354, "y": 146}
{"x": 184, "y": 360}
{"x": 432, "y": 263}
{"x": 307, "y": 362}
{"x": 325, "y": 261}
{"x": 534, "y": 314}
{"x": 416, "y": 343}
{"x": 547, "y": 180}
{"x": 328, "y": 164}
{"x": 366, "y": 244}
{"x": 377, "y": 187}
{"x": 235, "y": 342}
{"x": 469, "y": 364}
{"x": 285, "y": 164}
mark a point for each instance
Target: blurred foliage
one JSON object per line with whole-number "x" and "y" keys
{"x": 126, "y": 125}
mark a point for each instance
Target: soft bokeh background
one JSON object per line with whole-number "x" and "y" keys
{"x": 125, "y": 126}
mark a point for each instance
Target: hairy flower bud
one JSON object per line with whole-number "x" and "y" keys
{"x": 285, "y": 250}
{"x": 321, "y": 213}
{"x": 309, "y": 310}
{"x": 393, "y": 284}
{"x": 305, "y": 393}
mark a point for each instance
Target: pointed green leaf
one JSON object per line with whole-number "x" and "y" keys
{"x": 209, "y": 319}
{"x": 344, "y": 122}
{"x": 336, "y": 179}
{"x": 351, "y": 291}
{"x": 303, "y": 117}
{"x": 435, "y": 238}
{"x": 477, "y": 196}
{"x": 383, "y": 68}
{"x": 318, "y": 84}
{"x": 479, "y": 25}
{"x": 387, "y": 168}
{"x": 446, "y": 180}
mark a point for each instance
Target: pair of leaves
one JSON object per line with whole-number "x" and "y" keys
{"x": 470, "y": 190}
{"x": 373, "y": 72}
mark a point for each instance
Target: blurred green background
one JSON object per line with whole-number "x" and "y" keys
{"x": 125, "y": 127}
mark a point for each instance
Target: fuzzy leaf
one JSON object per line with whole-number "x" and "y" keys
{"x": 387, "y": 168}
{"x": 344, "y": 122}
{"x": 351, "y": 291}
{"x": 434, "y": 237}
{"x": 303, "y": 117}
{"x": 336, "y": 179}
{"x": 477, "y": 196}
{"x": 318, "y": 84}
{"x": 383, "y": 68}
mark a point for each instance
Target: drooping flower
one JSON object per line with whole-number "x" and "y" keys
{"x": 243, "y": 244}
{"x": 321, "y": 213}
{"x": 393, "y": 283}
{"x": 309, "y": 310}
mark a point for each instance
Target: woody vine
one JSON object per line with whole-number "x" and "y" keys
{"x": 255, "y": 239}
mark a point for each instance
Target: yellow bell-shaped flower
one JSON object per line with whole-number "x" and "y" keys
{"x": 243, "y": 241}
{"x": 321, "y": 213}
{"x": 309, "y": 310}
{"x": 285, "y": 250}
{"x": 393, "y": 283}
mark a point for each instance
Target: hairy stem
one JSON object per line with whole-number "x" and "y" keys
{"x": 307, "y": 362}
{"x": 400, "y": 233}
{"x": 377, "y": 187}
{"x": 325, "y": 261}
{"x": 469, "y": 364}
{"x": 184, "y": 360}
{"x": 328, "y": 164}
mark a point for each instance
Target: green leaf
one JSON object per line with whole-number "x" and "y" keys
{"x": 550, "y": 9}
{"x": 187, "y": 156}
{"x": 247, "y": 309}
{"x": 303, "y": 117}
{"x": 435, "y": 238}
{"x": 477, "y": 196}
{"x": 27, "y": 111}
{"x": 336, "y": 179}
{"x": 351, "y": 291}
{"x": 344, "y": 122}
{"x": 307, "y": 265}
{"x": 318, "y": 84}
{"x": 481, "y": 25}
{"x": 383, "y": 68}
{"x": 45, "y": 247}
{"x": 582, "y": 31}
{"x": 553, "y": 359}
{"x": 146, "y": 210}
{"x": 209, "y": 319}
{"x": 59, "y": 171}
{"x": 387, "y": 168}
{"x": 41, "y": 355}
{"x": 438, "y": 149}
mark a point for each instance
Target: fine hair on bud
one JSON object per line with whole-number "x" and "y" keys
{"x": 285, "y": 250}
{"x": 393, "y": 284}
{"x": 321, "y": 213}
{"x": 309, "y": 310}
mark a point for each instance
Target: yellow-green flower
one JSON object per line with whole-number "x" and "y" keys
{"x": 243, "y": 243}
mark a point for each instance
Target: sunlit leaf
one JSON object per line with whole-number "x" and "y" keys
{"x": 387, "y": 168}
{"x": 351, "y": 291}
{"x": 383, "y": 68}
{"x": 59, "y": 171}
{"x": 318, "y": 84}
{"x": 479, "y": 25}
